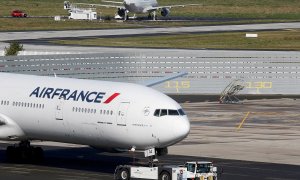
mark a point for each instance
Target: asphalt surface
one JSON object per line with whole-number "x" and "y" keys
{"x": 86, "y": 163}
{"x": 8, "y": 36}
{"x": 265, "y": 130}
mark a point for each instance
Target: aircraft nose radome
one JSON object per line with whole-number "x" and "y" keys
{"x": 181, "y": 129}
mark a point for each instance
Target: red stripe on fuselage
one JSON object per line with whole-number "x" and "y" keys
{"x": 112, "y": 97}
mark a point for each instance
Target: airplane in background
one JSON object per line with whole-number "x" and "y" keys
{"x": 105, "y": 115}
{"x": 134, "y": 6}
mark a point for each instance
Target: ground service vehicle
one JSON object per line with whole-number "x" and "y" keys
{"x": 201, "y": 170}
{"x": 194, "y": 170}
{"x": 18, "y": 13}
{"x": 126, "y": 172}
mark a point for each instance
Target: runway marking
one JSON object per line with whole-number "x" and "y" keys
{"x": 241, "y": 124}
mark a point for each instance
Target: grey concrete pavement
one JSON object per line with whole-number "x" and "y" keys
{"x": 8, "y": 36}
{"x": 270, "y": 133}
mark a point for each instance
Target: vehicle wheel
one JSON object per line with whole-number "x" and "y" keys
{"x": 123, "y": 174}
{"x": 164, "y": 176}
{"x": 25, "y": 15}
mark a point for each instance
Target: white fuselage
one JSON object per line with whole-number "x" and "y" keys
{"x": 96, "y": 113}
{"x": 139, "y": 6}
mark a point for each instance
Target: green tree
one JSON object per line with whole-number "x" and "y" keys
{"x": 13, "y": 49}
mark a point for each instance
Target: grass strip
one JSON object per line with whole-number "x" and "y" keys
{"x": 267, "y": 40}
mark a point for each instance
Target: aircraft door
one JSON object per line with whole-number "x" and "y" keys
{"x": 60, "y": 121}
{"x": 59, "y": 110}
{"x": 122, "y": 113}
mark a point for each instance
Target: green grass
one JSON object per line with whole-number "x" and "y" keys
{"x": 271, "y": 40}
{"x": 263, "y": 10}
{"x": 23, "y": 24}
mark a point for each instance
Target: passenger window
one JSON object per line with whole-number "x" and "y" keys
{"x": 164, "y": 112}
{"x": 156, "y": 113}
{"x": 173, "y": 112}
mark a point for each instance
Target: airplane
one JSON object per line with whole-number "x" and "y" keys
{"x": 134, "y": 6}
{"x": 111, "y": 116}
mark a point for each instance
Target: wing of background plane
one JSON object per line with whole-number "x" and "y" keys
{"x": 163, "y": 79}
{"x": 113, "y": 2}
{"x": 150, "y": 9}
{"x": 102, "y": 5}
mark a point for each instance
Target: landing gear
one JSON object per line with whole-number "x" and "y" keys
{"x": 153, "y": 153}
{"x": 24, "y": 152}
{"x": 153, "y": 161}
{"x": 152, "y": 16}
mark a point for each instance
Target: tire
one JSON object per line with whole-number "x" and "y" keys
{"x": 164, "y": 176}
{"x": 123, "y": 174}
{"x": 25, "y": 15}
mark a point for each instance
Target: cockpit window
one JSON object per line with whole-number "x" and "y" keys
{"x": 173, "y": 112}
{"x": 156, "y": 113}
{"x": 168, "y": 112}
{"x": 164, "y": 112}
{"x": 181, "y": 112}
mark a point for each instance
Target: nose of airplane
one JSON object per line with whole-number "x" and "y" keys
{"x": 181, "y": 128}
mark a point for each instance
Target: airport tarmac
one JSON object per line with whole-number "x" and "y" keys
{"x": 36, "y": 42}
{"x": 62, "y": 163}
{"x": 9, "y": 36}
{"x": 269, "y": 131}
{"x": 266, "y": 146}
